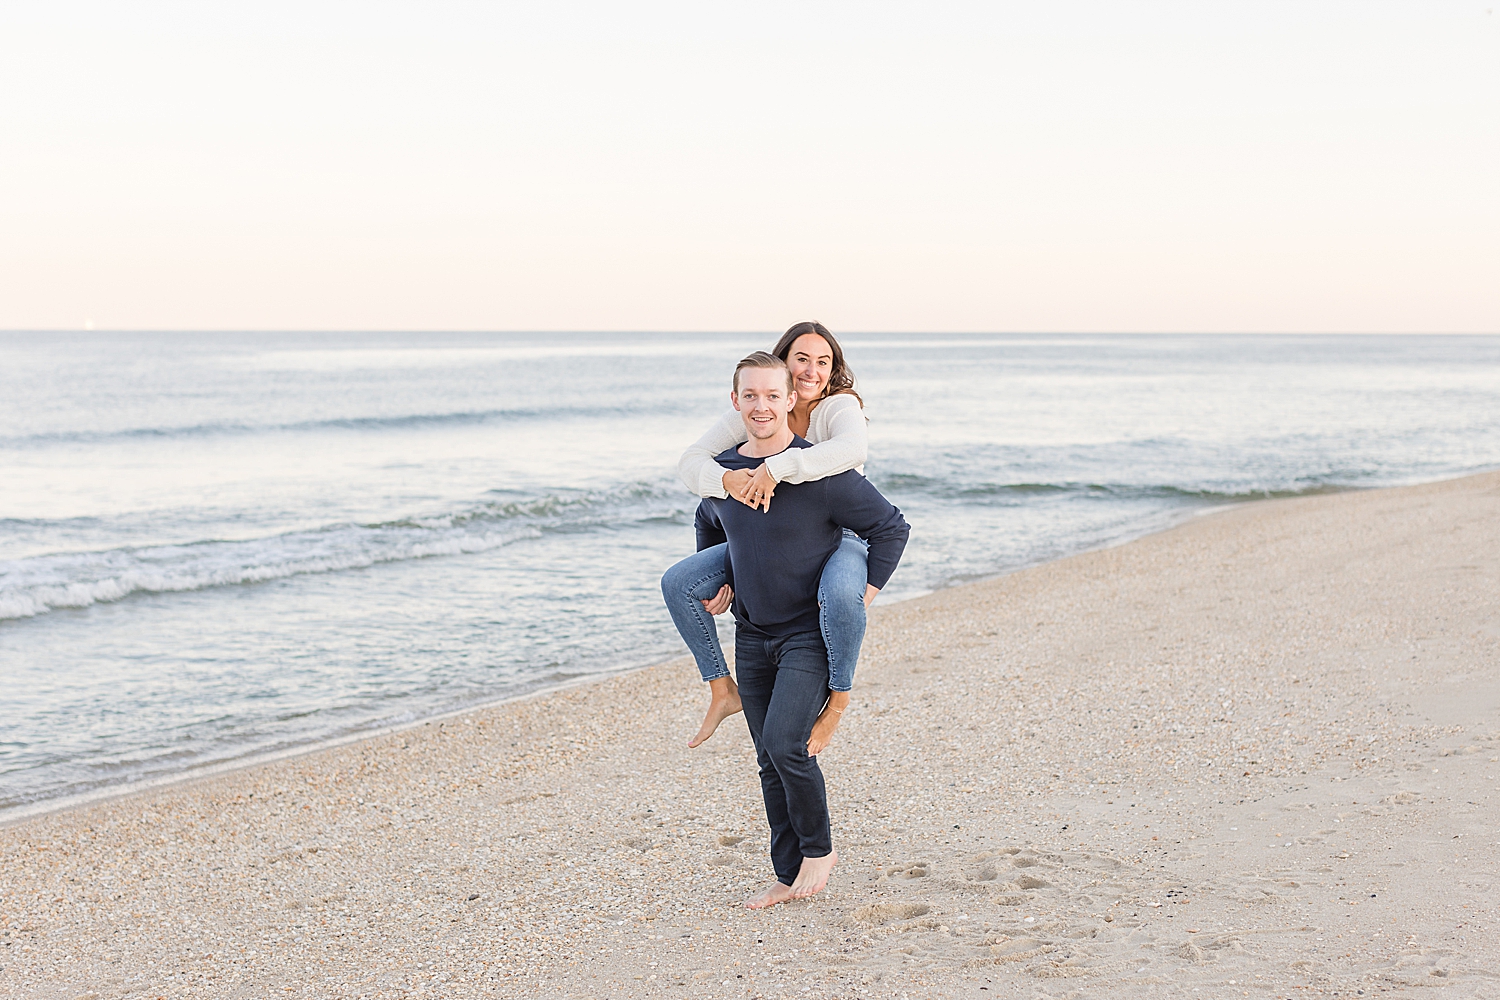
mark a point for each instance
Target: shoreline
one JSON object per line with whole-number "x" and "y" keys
{"x": 1168, "y": 521}
{"x": 1234, "y": 754}
{"x": 206, "y": 772}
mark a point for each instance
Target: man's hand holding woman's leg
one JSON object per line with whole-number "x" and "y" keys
{"x": 719, "y": 603}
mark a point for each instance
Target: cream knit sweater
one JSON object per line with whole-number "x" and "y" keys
{"x": 836, "y": 430}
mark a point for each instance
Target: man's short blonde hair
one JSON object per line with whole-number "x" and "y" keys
{"x": 762, "y": 359}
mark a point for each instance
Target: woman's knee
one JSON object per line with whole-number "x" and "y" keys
{"x": 845, "y": 575}
{"x": 674, "y": 583}
{"x": 839, "y": 602}
{"x": 698, "y": 576}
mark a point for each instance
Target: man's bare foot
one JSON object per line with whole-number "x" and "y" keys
{"x": 813, "y": 875}
{"x": 772, "y": 894}
{"x": 726, "y": 702}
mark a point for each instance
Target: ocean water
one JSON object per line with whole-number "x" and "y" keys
{"x": 215, "y": 546}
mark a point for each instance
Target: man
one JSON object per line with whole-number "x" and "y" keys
{"x": 774, "y": 561}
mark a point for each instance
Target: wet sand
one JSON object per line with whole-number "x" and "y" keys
{"x": 1256, "y": 755}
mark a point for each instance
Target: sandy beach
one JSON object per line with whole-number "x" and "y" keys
{"x": 1255, "y": 755}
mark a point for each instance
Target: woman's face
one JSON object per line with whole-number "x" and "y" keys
{"x": 811, "y": 362}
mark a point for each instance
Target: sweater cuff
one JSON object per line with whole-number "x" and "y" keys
{"x": 880, "y": 569}
{"x": 712, "y": 482}
{"x": 782, "y": 466}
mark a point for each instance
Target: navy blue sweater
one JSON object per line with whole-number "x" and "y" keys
{"x": 776, "y": 557}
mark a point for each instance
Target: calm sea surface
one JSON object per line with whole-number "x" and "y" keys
{"x": 219, "y": 545}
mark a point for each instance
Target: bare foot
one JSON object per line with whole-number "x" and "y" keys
{"x": 726, "y": 702}
{"x": 828, "y": 721}
{"x": 772, "y": 894}
{"x": 822, "y": 732}
{"x": 813, "y": 875}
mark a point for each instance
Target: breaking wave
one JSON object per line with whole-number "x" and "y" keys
{"x": 389, "y": 423}
{"x": 38, "y": 584}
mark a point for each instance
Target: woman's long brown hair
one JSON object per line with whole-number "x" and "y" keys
{"x": 840, "y": 379}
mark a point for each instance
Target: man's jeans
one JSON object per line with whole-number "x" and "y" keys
{"x": 841, "y": 607}
{"x": 783, "y": 687}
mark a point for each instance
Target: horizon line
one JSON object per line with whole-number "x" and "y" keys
{"x": 4, "y": 331}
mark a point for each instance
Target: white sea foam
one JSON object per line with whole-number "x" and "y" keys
{"x": 34, "y": 586}
{"x": 39, "y": 584}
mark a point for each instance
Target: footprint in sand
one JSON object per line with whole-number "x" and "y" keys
{"x": 1192, "y": 953}
{"x": 913, "y": 869}
{"x": 876, "y": 914}
{"x": 729, "y": 840}
{"x": 1016, "y": 949}
{"x": 986, "y": 865}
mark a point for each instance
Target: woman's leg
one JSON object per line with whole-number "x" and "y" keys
{"x": 685, "y": 587}
{"x": 841, "y": 609}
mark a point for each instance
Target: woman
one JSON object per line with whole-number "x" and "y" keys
{"x": 830, "y": 414}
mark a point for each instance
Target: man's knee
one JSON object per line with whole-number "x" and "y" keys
{"x": 786, "y": 747}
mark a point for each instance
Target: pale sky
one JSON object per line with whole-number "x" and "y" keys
{"x": 1192, "y": 166}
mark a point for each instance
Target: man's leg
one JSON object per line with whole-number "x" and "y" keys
{"x": 800, "y": 692}
{"x": 757, "y": 673}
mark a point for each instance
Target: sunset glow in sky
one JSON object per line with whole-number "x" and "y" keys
{"x": 999, "y": 167}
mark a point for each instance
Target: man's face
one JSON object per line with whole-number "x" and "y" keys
{"x": 763, "y": 401}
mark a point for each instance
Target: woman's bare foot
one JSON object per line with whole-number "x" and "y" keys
{"x": 813, "y": 875}
{"x": 725, "y": 702}
{"x": 828, "y": 720}
{"x": 822, "y": 732}
{"x": 772, "y": 894}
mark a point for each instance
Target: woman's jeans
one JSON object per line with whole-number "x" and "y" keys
{"x": 841, "y": 608}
